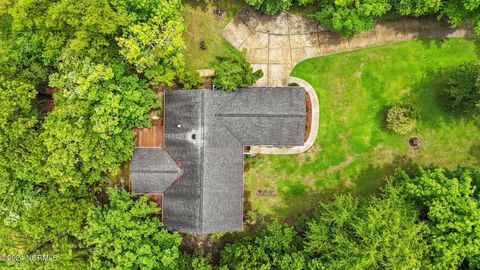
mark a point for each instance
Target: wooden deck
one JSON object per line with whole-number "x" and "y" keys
{"x": 150, "y": 137}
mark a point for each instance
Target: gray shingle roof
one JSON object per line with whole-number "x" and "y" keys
{"x": 266, "y": 116}
{"x": 152, "y": 170}
{"x": 205, "y": 132}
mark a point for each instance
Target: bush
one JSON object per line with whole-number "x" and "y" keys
{"x": 351, "y": 17}
{"x": 190, "y": 79}
{"x": 462, "y": 91}
{"x": 417, "y": 7}
{"x": 270, "y": 7}
{"x": 401, "y": 119}
{"x": 233, "y": 71}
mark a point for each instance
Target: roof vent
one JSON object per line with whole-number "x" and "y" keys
{"x": 194, "y": 136}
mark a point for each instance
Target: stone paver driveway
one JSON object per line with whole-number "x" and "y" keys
{"x": 277, "y": 43}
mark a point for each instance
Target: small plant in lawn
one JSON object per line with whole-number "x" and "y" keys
{"x": 401, "y": 118}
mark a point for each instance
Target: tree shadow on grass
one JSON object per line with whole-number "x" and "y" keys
{"x": 475, "y": 152}
{"x": 203, "y": 5}
{"x": 370, "y": 180}
{"x": 432, "y": 103}
{"x": 477, "y": 46}
{"x": 299, "y": 203}
{"x": 429, "y": 43}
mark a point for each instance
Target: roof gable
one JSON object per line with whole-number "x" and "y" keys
{"x": 152, "y": 170}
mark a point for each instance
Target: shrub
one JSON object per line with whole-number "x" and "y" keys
{"x": 190, "y": 79}
{"x": 401, "y": 119}
{"x": 417, "y": 7}
{"x": 270, "y": 7}
{"x": 351, "y": 17}
{"x": 233, "y": 71}
{"x": 462, "y": 91}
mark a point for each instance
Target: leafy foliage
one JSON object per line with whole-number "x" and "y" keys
{"x": 51, "y": 166}
{"x": 450, "y": 210}
{"x": 190, "y": 79}
{"x": 47, "y": 223}
{"x": 125, "y": 234}
{"x": 417, "y": 7}
{"x": 90, "y": 131}
{"x": 270, "y": 7}
{"x": 233, "y": 71}
{"x": 350, "y": 17}
{"x": 466, "y": 11}
{"x": 156, "y": 48}
{"x": 380, "y": 233}
{"x": 278, "y": 247}
{"x": 19, "y": 149}
{"x": 462, "y": 90}
{"x": 194, "y": 262}
{"x": 402, "y": 118}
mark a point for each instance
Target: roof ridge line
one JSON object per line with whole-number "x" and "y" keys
{"x": 202, "y": 158}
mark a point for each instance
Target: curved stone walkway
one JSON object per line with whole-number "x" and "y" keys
{"x": 276, "y": 44}
{"x": 313, "y": 130}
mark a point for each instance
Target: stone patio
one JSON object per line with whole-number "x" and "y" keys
{"x": 277, "y": 43}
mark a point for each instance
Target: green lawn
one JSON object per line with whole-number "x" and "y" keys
{"x": 352, "y": 152}
{"x": 203, "y": 25}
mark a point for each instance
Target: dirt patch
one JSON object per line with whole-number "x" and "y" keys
{"x": 340, "y": 166}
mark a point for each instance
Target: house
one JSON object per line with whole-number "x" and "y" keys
{"x": 199, "y": 171}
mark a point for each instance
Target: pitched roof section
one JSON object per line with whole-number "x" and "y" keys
{"x": 209, "y": 196}
{"x": 152, "y": 170}
{"x": 266, "y": 116}
{"x": 183, "y": 118}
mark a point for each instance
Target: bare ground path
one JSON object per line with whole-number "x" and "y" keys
{"x": 277, "y": 43}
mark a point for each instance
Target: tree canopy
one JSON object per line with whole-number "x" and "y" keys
{"x": 462, "y": 90}
{"x": 125, "y": 234}
{"x": 278, "y": 247}
{"x": 233, "y": 71}
{"x": 351, "y": 17}
{"x": 90, "y": 130}
{"x": 450, "y": 207}
{"x": 53, "y": 166}
{"x": 381, "y": 233}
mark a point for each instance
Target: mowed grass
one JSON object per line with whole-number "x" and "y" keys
{"x": 203, "y": 25}
{"x": 352, "y": 152}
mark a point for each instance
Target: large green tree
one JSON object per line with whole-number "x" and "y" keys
{"x": 417, "y": 7}
{"x": 155, "y": 47}
{"x": 90, "y": 131}
{"x": 449, "y": 207}
{"x": 350, "y": 17}
{"x": 270, "y": 7}
{"x": 149, "y": 35}
{"x": 125, "y": 234}
{"x": 21, "y": 153}
{"x": 465, "y": 11}
{"x": 462, "y": 90}
{"x": 233, "y": 71}
{"x": 278, "y": 247}
{"x": 380, "y": 233}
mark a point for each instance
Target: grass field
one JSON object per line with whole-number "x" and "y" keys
{"x": 353, "y": 153}
{"x": 203, "y": 25}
